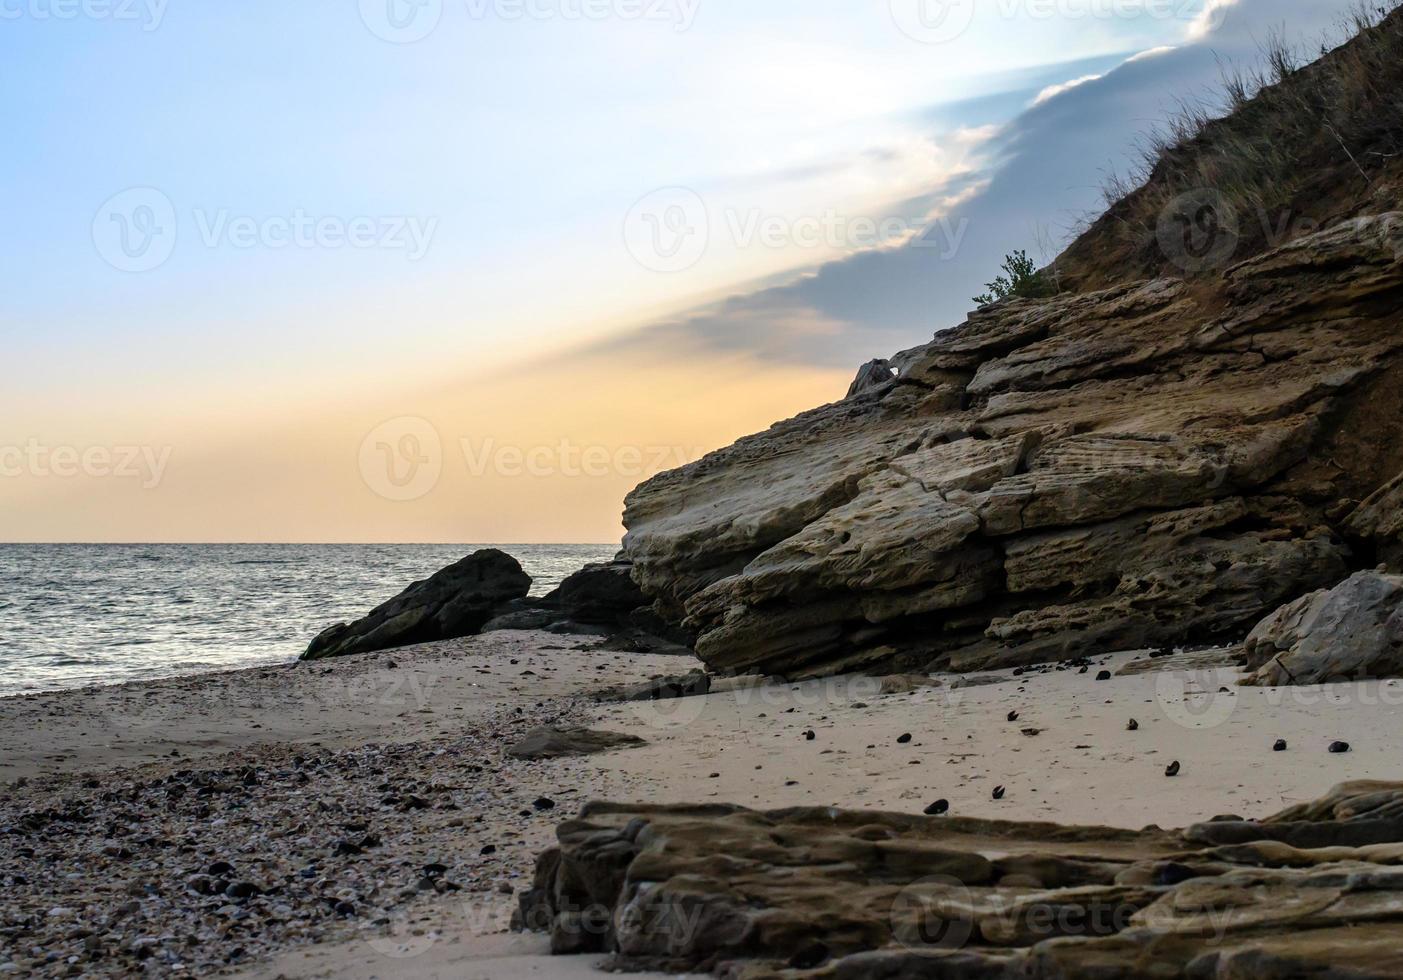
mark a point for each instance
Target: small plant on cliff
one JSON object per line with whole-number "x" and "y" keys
{"x": 1021, "y": 278}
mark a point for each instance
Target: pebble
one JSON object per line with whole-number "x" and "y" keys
{"x": 904, "y": 739}
{"x": 1280, "y": 745}
{"x": 938, "y": 808}
{"x": 186, "y": 868}
{"x": 1173, "y": 769}
{"x": 1339, "y": 748}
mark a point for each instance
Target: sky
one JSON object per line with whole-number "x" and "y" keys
{"x": 470, "y": 270}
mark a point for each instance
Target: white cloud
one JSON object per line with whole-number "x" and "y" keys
{"x": 1209, "y": 19}
{"x": 1052, "y": 91}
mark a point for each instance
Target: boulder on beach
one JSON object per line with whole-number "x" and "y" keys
{"x": 1349, "y": 633}
{"x": 456, "y": 601}
{"x": 603, "y": 594}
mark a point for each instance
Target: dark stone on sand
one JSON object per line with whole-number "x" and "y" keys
{"x": 1173, "y": 769}
{"x": 1339, "y": 748}
{"x": 938, "y": 808}
{"x": 553, "y": 742}
{"x": 1280, "y": 745}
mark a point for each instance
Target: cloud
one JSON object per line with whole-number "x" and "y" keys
{"x": 1052, "y": 91}
{"x": 1041, "y": 185}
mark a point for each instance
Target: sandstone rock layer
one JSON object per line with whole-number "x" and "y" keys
{"x": 1315, "y": 891}
{"x": 1158, "y": 462}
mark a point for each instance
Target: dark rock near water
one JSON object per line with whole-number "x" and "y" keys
{"x": 452, "y": 603}
{"x": 604, "y": 594}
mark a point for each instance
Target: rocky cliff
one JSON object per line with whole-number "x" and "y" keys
{"x": 1156, "y": 461}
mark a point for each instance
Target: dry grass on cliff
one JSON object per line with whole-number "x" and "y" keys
{"x": 1301, "y": 146}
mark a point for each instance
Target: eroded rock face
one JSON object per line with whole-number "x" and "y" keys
{"x": 1152, "y": 464}
{"x": 1379, "y": 520}
{"x": 816, "y": 892}
{"x": 1349, "y": 633}
{"x": 456, "y": 601}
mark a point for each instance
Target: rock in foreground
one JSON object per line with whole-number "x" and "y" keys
{"x": 1352, "y": 632}
{"x": 820, "y": 892}
{"x": 456, "y": 601}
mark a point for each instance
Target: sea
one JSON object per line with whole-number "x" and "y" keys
{"x": 73, "y": 615}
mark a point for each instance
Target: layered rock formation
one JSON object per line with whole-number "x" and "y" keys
{"x": 1315, "y": 891}
{"x": 456, "y": 601}
{"x": 1153, "y": 463}
{"x": 1349, "y": 633}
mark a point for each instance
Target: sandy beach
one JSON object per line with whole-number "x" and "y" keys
{"x": 371, "y": 806}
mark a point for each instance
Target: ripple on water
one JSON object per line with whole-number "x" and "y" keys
{"x": 74, "y": 615}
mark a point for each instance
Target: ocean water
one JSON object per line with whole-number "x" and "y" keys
{"x": 74, "y": 615}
